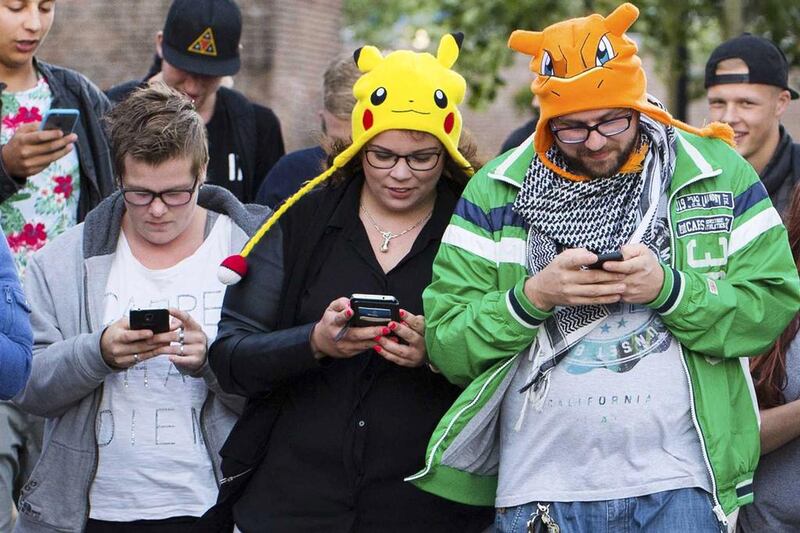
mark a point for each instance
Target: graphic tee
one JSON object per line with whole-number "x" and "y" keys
{"x": 48, "y": 203}
{"x": 152, "y": 459}
{"x": 615, "y": 424}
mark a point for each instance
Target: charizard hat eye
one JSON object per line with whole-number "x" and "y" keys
{"x": 440, "y": 98}
{"x": 378, "y": 96}
{"x": 605, "y": 52}
{"x": 547, "y": 64}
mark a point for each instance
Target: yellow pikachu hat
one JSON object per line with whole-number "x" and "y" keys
{"x": 403, "y": 91}
{"x": 589, "y": 63}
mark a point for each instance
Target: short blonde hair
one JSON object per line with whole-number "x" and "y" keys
{"x": 337, "y": 87}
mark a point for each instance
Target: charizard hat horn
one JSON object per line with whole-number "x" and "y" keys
{"x": 589, "y": 63}
{"x": 403, "y": 91}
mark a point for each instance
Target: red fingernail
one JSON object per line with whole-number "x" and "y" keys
{"x": 377, "y": 348}
{"x": 402, "y": 314}
{"x": 385, "y": 331}
{"x": 378, "y": 338}
{"x": 392, "y": 325}
{"x": 348, "y": 313}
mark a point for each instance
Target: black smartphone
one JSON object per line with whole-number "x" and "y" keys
{"x": 373, "y": 310}
{"x": 60, "y": 119}
{"x": 156, "y": 320}
{"x": 602, "y": 258}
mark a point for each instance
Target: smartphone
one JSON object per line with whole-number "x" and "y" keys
{"x": 156, "y": 320}
{"x": 60, "y": 119}
{"x": 602, "y": 258}
{"x": 373, "y": 310}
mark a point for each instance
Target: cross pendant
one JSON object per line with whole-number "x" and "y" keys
{"x": 387, "y": 236}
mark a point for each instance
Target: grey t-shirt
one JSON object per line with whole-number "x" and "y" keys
{"x": 776, "y": 485}
{"x": 615, "y": 424}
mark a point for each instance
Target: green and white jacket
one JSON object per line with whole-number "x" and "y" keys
{"x": 729, "y": 291}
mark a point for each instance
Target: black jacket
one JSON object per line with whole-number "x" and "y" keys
{"x": 73, "y": 90}
{"x": 782, "y": 173}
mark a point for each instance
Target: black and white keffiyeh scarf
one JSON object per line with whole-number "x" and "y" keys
{"x": 600, "y": 215}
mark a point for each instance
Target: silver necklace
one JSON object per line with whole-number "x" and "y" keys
{"x": 388, "y": 235}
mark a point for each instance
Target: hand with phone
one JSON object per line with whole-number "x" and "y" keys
{"x": 643, "y": 275}
{"x": 411, "y": 330}
{"x": 333, "y": 337}
{"x": 123, "y": 347}
{"x": 34, "y": 146}
{"x": 186, "y": 343}
{"x": 567, "y": 281}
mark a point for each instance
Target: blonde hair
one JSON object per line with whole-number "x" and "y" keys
{"x": 337, "y": 87}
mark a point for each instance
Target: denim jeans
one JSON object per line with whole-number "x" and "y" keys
{"x": 662, "y": 512}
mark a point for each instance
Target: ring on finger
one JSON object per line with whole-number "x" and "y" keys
{"x": 181, "y": 347}
{"x": 136, "y": 359}
{"x": 180, "y": 335}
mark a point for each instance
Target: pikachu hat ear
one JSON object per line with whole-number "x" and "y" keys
{"x": 367, "y": 58}
{"x": 449, "y": 46}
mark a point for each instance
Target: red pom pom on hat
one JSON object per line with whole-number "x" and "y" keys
{"x": 232, "y": 269}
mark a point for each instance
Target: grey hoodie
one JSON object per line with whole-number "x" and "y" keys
{"x": 65, "y": 282}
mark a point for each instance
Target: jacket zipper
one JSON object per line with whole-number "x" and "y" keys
{"x": 99, "y": 403}
{"x": 718, "y": 510}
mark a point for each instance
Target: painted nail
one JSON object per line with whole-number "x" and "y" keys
{"x": 377, "y": 348}
{"x": 402, "y": 314}
{"x": 392, "y": 325}
{"x": 385, "y": 331}
{"x": 348, "y": 313}
{"x": 378, "y": 338}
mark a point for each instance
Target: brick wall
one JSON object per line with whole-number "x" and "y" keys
{"x": 286, "y": 47}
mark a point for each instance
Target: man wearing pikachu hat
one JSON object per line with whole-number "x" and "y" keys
{"x": 597, "y": 293}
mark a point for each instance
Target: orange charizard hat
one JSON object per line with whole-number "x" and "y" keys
{"x": 589, "y": 63}
{"x": 403, "y": 91}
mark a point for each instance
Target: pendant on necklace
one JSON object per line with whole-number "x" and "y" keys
{"x": 387, "y": 236}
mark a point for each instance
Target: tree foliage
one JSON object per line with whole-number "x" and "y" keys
{"x": 680, "y": 34}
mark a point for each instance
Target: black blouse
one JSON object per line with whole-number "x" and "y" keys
{"x": 350, "y": 430}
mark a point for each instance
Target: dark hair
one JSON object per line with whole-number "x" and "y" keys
{"x": 769, "y": 370}
{"x": 452, "y": 171}
{"x": 155, "y": 124}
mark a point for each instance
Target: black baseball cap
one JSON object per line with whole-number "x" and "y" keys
{"x": 766, "y": 63}
{"x": 202, "y": 36}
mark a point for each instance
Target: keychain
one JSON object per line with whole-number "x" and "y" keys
{"x": 542, "y": 522}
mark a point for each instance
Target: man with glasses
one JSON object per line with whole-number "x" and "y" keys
{"x": 597, "y": 294}
{"x": 135, "y": 418}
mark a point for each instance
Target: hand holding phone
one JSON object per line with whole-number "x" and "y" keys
{"x": 373, "y": 310}
{"x": 33, "y": 148}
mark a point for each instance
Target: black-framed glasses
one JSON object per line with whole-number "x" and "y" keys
{"x": 579, "y": 134}
{"x": 170, "y": 197}
{"x": 384, "y": 160}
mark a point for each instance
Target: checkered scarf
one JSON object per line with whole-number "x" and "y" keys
{"x": 600, "y": 215}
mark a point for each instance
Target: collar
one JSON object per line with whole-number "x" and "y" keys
{"x": 779, "y": 167}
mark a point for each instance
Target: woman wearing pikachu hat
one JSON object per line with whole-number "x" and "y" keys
{"x": 339, "y": 412}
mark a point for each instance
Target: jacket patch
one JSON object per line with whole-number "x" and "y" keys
{"x": 706, "y": 200}
{"x": 712, "y": 224}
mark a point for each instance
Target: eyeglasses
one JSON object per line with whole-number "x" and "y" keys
{"x": 579, "y": 134}
{"x": 171, "y": 197}
{"x": 421, "y": 160}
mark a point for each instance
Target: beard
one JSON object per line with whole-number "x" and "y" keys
{"x": 583, "y": 165}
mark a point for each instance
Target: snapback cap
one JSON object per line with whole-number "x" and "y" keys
{"x": 766, "y": 63}
{"x": 202, "y": 36}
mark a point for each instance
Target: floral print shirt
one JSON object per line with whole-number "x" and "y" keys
{"x": 48, "y": 203}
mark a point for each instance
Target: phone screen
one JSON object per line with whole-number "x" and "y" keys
{"x": 60, "y": 119}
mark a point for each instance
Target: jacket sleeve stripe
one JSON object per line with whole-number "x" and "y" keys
{"x": 752, "y": 229}
{"x": 754, "y": 194}
{"x": 507, "y": 250}
{"x": 496, "y": 219}
{"x": 675, "y": 294}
